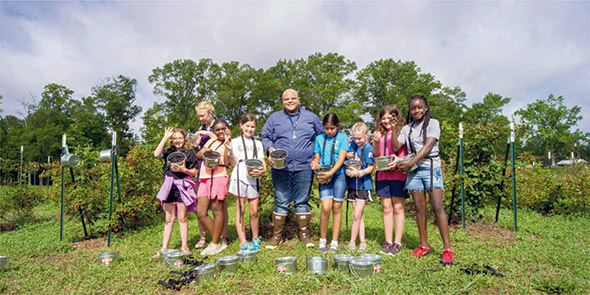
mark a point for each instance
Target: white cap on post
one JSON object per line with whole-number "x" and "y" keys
{"x": 114, "y": 138}
{"x": 21, "y": 148}
{"x": 63, "y": 140}
{"x": 460, "y": 130}
{"x": 511, "y": 131}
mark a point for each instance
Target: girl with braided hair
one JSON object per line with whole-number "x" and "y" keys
{"x": 421, "y": 136}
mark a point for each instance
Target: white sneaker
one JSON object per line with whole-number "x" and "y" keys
{"x": 223, "y": 243}
{"x": 211, "y": 249}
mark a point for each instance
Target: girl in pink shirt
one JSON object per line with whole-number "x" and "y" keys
{"x": 390, "y": 183}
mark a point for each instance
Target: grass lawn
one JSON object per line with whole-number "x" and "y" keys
{"x": 549, "y": 254}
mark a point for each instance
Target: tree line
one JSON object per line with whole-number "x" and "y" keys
{"x": 325, "y": 82}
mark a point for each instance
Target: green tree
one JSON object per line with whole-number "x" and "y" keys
{"x": 115, "y": 97}
{"x": 232, "y": 85}
{"x": 154, "y": 122}
{"x": 184, "y": 83}
{"x": 387, "y": 81}
{"x": 490, "y": 110}
{"x": 322, "y": 82}
{"x": 548, "y": 124}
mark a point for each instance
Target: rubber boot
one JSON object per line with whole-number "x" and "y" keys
{"x": 277, "y": 234}
{"x": 303, "y": 220}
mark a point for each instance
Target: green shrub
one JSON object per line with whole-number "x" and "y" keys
{"x": 553, "y": 191}
{"x": 17, "y": 204}
{"x": 483, "y": 163}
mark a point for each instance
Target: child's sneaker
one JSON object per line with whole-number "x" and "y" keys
{"x": 351, "y": 246}
{"x": 447, "y": 257}
{"x": 256, "y": 244}
{"x": 334, "y": 247}
{"x": 362, "y": 247}
{"x": 421, "y": 251}
{"x": 246, "y": 247}
{"x": 387, "y": 249}
{"x": 212, "y": 249}
{"x": 322, "y": 246}
{"x": 186, "y": 251}
{"x": 396, "y": 248}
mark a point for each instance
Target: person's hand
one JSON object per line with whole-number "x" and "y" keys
{"x": 350, "y": 156}
{"x": 376, "y": 136}
{"x": 393, "y": 163}
{"x": 315, "y": 165}
{"x": 404, "y": 167}
{"x": 168, "y": 132}
{"x": 271, "y": 161}
{"x": 256, "y": 172}
{"x": 178, "y": 167}
{"x": 352, "y": 172}
{"x": 324, "y": 177}
{"x": 205, "y": 133}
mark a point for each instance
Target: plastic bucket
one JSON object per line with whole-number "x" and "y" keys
{"x": 211, "y": 159}
{"x": 165, "y": 253}
{"x": 252, "y": 164}
{"x": 382, "y": 162}
{"x": 286, "y": 265}
{"x": 70, "y": 160}
{"x": 228, "y": 264}
{"x": 352, "y": 164}
{"x": 3, "y": 262}
{"x": 175, "y": 259}
{"x": 247, "y": 256}
{"x": 373, "y": 258}
{"x": 342, "y": 262}
{"x": 204, "y": 272}
{"x": 361, "y": 268}
{"x": 105, "y": 156}
{"x": 279, "y": 157}
{"x": 317, "y": 265}
{"x": 107, "y": 258}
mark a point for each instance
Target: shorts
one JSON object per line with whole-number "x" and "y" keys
{"x": 361, "y": 195}
{"x": 246, "y": 190}
{"x": 173, "y": 195}
{"x": 419, "y": 179}
{"x": 391, "y": 188}
{"x": 218, "y": 190}
{"x": 335, "y": 189}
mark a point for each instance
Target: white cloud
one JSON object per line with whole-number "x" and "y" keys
{"x": 522, "y": 50}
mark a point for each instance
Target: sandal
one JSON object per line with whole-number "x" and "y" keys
{"x": 186, "y": 251}
{"x": 201, "y": 243}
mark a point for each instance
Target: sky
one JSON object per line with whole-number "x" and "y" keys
{"x": 524, "y": 50}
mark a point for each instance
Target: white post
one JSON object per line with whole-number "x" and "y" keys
{"x": 512, "y": 132}
{"x": 63, "y": 140}
{"x": 460, "y": 130}
{"x": 114, "y": 138}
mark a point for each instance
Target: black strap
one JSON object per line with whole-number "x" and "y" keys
{"x": 333, "y": 149}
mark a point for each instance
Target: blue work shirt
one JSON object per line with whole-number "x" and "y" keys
{"x": 278, "y": 133}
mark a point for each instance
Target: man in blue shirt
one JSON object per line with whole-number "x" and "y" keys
{"x": 294, "y": 130}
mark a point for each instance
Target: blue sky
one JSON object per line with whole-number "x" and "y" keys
{"x": 522, "y": 50}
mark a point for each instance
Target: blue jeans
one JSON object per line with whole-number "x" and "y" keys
{"x": 292, "y": 186}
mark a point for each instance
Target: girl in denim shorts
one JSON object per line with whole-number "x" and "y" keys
{"x": 421, "y": 136}
{"x": 330, "y": 152}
